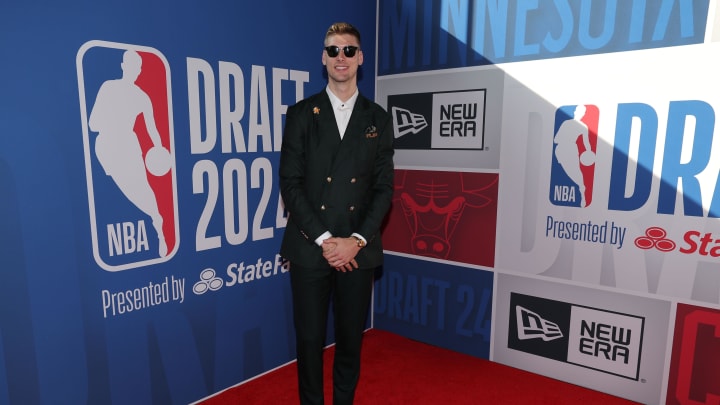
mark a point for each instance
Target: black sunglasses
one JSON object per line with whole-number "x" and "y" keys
{"x": 334, "y": 50}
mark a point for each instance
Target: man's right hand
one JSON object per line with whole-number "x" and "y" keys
{"x": 338, "y": 258}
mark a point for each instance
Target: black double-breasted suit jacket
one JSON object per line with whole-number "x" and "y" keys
{"x": 333, "y": 184}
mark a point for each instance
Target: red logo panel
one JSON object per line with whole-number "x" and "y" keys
{"x": 695, "y": 364}
{"x": 444, "y": 215}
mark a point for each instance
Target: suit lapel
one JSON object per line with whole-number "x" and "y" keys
{"x": 358, "y": 119}
{"x": 327, "y": 128}
{"x": 353, "y": 133}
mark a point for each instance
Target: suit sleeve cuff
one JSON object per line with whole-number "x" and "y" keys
{"x": 319, "y": 241}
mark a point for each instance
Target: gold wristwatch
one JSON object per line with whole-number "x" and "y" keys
{"x": 361, "y": 243}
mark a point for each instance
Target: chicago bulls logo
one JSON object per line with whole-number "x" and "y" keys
{"x": 444, "y": 215}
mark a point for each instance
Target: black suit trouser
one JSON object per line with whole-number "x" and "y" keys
{"x": 351, "y": 292}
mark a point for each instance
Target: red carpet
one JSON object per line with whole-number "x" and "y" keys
{"x": 397, "y": 370}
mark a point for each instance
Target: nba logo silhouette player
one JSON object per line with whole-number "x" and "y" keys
{"x": 574, "y": 153}
{"x": 118, "y": 104}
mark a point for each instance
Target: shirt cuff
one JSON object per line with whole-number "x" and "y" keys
{"x": 319, "y": 241}
{"x": 359, "y": 236}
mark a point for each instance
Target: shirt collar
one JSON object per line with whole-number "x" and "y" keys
{"x": 338, "y": 104}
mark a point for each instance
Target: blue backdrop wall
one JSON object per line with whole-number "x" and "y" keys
{"x": 162, "y": 286}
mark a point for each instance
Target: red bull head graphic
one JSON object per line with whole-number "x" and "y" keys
{"x": 436, "y": 209}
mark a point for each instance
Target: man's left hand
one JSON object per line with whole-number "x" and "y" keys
{"x": 342, "y": 256}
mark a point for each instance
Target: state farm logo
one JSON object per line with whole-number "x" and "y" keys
{"x": 694, "y": 242}
{"x": 655, "y": 238}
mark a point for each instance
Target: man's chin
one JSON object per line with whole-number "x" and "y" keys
{"x": 344, "y": 78}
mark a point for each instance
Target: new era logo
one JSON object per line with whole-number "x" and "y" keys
{"x": 406, "y": 122}
{"x": 532, "y": 326}
{"x": 126, "y": 113}
{"x": 594, "y": 338}
{"x": 444, "y": 120}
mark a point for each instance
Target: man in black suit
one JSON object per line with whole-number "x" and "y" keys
{"x": 336, "y": 179}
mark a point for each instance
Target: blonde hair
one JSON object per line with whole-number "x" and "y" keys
{"x": 342, "y": 28}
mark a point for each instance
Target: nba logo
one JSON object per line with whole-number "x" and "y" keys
{"x": 126, "y": 111}
{"x": 573, "y": 161}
